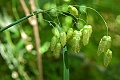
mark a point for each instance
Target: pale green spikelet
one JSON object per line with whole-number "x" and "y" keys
{"x": 75, "y": 44}
{"x": 63, "y": 38}
{"x": 107, "y": 57}
{"x": 72, "y": 10}
{"x": 53, "y": 43}
{"x": 69, "y": 33}
{"x": 104, "y": 45}
{"x": 87, "y": 31}
{"x": 57, "y": 50}
{"x": 85, "y": 37}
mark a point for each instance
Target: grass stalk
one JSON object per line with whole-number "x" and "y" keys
{"x": 65, "y": 64}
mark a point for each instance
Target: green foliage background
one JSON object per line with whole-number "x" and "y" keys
{"x": 86, "y": 65}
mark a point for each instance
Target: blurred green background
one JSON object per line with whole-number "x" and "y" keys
{"x": 18, "y": 59}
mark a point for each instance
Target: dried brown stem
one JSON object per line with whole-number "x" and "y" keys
{"x": 33, "y": 22}
{"x": 37, "y": 40}
{"x": 26, "y": 10}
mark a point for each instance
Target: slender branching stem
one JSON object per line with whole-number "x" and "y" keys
{"x": 98, "y": 14}
{"x": 22, "y": 19}
{"x": 101, "y": 17}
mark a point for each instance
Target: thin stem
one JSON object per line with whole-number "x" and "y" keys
{"x": 22, "y": 19}
{"x": 16, "y": 22}
{"x": 65, "y": 64}
{"x": 68, "y": 14}
{"x": 101, "y": 17}
{"x": 50, "y": 22}
{"x": 83, "y": 21}
{"x": 98, "y": 14}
